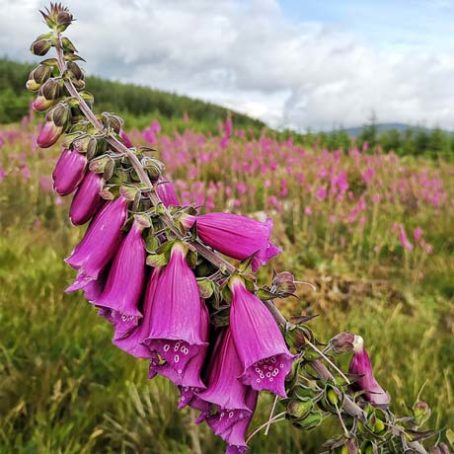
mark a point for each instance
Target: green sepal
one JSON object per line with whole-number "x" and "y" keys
{"x": 206, "y": 287}
{"x": 157, "y": 260}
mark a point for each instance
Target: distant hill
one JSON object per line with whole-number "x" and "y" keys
{"x": 138, "y": 103}
{"x": 384, "y": 127}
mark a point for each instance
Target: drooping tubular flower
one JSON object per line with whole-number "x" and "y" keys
{"x": 87, "y": 199}
{"x": 166, "y": 192}
{"x": 190, "y": 380}
{"x": 134, "y": 342}
{"x": 236, "y": 236}
{"x": 261, "y": 347}
{"x": 176, "y": 320}
{"x": 361, "y": 366}
{"x": 124, "y": 284}
{"x": 69, "y": 171}
{"x": 99, "y": 244}
{"x": 225, "y": 391}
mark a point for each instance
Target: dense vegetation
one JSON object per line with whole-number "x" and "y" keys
{"x": 372, "y": 231}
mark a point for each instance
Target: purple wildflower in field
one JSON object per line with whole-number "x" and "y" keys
{"x": 261, "y": 347}
{"x": 87, "y": 199}
{"x": 99, "y": 244}
{"x": 236, "y": 236}
{"x": 361, "y": 366}
{"x": 69, "y": 171}
{"x": 124, "y": 285}
{"x": 176, "y": 328}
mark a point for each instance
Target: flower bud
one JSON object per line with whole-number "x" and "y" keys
{"x": 87, "y": 199}
{"x": 61, "y": 115}
{"x": 32, "y": 85}
{"x": 154, "y": 168}
{"x": 343, "y": 342}
{"x": 75, "y": 70}
{"x": 421, "y": 412}
{"x": 41, "y": 73}
{"x": 284, "y": 282}
{"x": 67, "y": 45}
{"x": 52, "y": 89}
{"x": 299, "y": 409}
{"x": 441, "y": 448}
{"x": 57, "y": 17}
{"x": 49, "y": 134}
{"x": 41, "y": 46}
{"x": 68, "y": 172}
{"x": 41, "y": 104}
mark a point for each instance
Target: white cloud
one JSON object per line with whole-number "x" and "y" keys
{"x": 251, "y": 57}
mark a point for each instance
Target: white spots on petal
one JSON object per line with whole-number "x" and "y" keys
{"x": 166, "y": 347}
{"x": 176, "y": 358}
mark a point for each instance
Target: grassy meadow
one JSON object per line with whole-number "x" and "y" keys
{"x": 372, "y": 231}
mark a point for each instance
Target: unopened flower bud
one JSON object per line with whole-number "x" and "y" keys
{"x": 284, "y": 282}
{"x": 41, "y": 73}
{"x": 299, "y": 409}
{"x": 79, "y": 84}
{"x": 52, "y": 89}
{"x": 57, "y": 17}
{"x": 49, "y": 134}
{"x": 75, "y": 70}
{"x": 441, "y": 448}
{"x": 154, "y": 167}
{"x": 61, "y": 115}
{"x": 343, "y": 342}
{"x": 64, "y": 19}
{"x": 32, "y": 85}
{"x": 421, "y": 412}
{"x": 41, "y": 104}
{"x": 41, "y": 46}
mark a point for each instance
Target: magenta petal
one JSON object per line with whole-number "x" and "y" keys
{"x": 68, "y": 172}
{"x": 232, "y": 426}
{"x": 166, "y": 192}
{"x": 176, "y": 321}
{"x": 101, "y": 240}
{"x": 361, "y": 365}
{"x": 125, "y": 281}
{"x": 261, "y": 347}
{"x": 87, "y": 199}
{"x": 134, "y": 342}
{"x": 189, "y": 379}
{"x": 49, "y": 134}
{"x": 237, "y": 236}
{"x": 224, "y": 388}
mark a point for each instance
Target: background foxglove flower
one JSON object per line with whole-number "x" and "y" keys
{"x": 125, "y": 281}
{"x": 236, "y": 236}
{"x": 361, "y": 366}
{"x": 261, "y": 347}
{"x": 99, "y": 244}
{"x": 69, "y": 171}
{"x": 176, "y": 322}
{"x": 87, "y": 199}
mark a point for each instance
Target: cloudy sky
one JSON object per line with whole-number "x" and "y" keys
{"x": 296, "y": 63}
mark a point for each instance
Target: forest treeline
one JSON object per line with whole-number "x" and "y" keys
{"x": 138, "y": 105}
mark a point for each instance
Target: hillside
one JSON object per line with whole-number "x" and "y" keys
{"x": 134, "y": 102}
